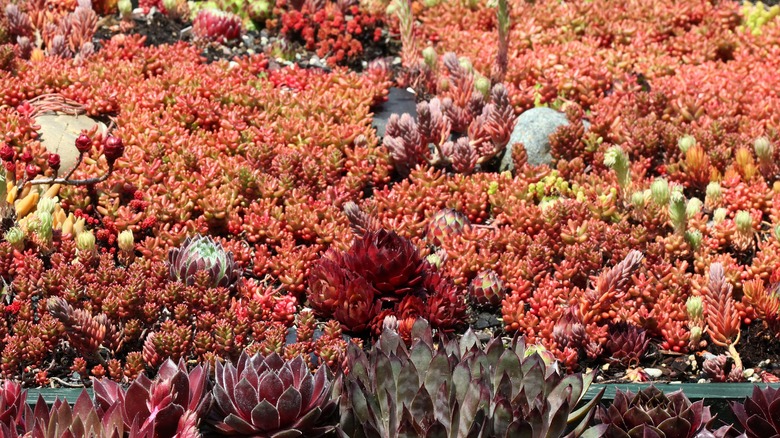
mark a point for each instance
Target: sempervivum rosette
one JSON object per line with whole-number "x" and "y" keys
{"x": 217, "y": 25}
{"x": 203, "y": 254}
{"x": 627, "y": 343}
{"x": 760, "y": 415}
{"x": 487, "y": 289}
{"x": 446, "y": 223}
{"x": 650, "y": 412}
{"x": 391, "y": 263}
{"x": 270, "y": 397}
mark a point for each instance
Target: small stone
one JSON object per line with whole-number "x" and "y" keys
{"x": 748, "y": 373}
{"x": 533, "y": 129}
{"x": 654, "y": 372}
{"x": 59, "y": 132}
{"x": 292, "y": 336}
{"x": 605, "y": 367}
{"x": 702, "y": 381}
{"x": 399, "y": 101}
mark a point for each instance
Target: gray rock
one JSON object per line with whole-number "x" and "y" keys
{"x": 486, "y": 320}
{"x": 399, "y": 101}
{"x": 533, "y": 129}
{"x": 59, "y": 132}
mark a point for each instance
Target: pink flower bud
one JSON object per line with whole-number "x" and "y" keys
{"x": 27, "y": 156}
{"x": 54, "y": 161}
{"x": 32, "y": 170}
{"x": 7, "y": 153}
{"x": 113, "y": 148}
{"x": 83, "y": 143}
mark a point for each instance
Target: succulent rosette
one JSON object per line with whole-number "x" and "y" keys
{"x": 391, "y": 263}
{"x": 217, "y": 25}
{"x": 446, "y": 223}
{"x": 760, "y": 414}
{"x": 650, "y": 412}
{"x": 167, "y": 406}
{"x": 487, "y": 289}
{"x": 627, "y": 343}
{"x": 13, "y": 408}
{"x": 202, "y": 253}
{"x": 459, "y": 387}
{"x": 357, "y": 304}
{"x": 266, "y": 396}
{"x": 326, "y": 279}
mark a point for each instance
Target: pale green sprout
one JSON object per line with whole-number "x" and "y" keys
{"x": 430, "y": 57}
{"x": 677, "y": 210}
{"x": 44, "y": 228}
{"x": 46, "y": 205}
{"x": 719, "y": 215}
{"x": 744, "y": 222}
{"x": 686, "y": 142}
{"x": 695, "y": 307}
{"x": 616, "y": 159}
{"x": 694, "y": 207}
{"x": 85, "y": 241}
{"x": 15, "y": 236}
{"x": 714, "y": 193}
{"x": 694, "y": 239}
{"x": 639, "y": 199}
{"x": 660, "y": 191}
{"x": 763, "y": 148}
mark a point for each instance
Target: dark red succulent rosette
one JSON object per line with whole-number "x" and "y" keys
{"x": 391, "y": 263}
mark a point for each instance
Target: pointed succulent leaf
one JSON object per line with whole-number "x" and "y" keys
{"x": 238, "y": 424}
{"x": 438, "y": 369}
{"x": 476, "y": 400}
{"x": 675, "y": 426}
{"x": 468, "y": 341}
{"x": 422, "y": 404}
{"x": 421, "y": 355}
{"x": 421, "y": 331}
{"x": 289, "y": 406}
{"x": 461, "y": 378}
{"x": 645, "y": 431}
{"x": 441, "y": 407}
{"x": 585, "y": 413}
{"x": 636, "y": 416}
{"x": 407, "y": 384}
{"x": 557, "y": 415}
{"x": 509, "y": 365}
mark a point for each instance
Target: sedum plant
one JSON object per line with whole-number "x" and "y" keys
{"x": 458, "y": 389}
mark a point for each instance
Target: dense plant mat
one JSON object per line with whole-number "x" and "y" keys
{"x": 435, "y": 387}
{"x": 237, "y": 205}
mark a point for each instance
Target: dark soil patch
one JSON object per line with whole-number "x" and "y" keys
{"x": 757, "y": 345}
{"x": 158, "y": 30}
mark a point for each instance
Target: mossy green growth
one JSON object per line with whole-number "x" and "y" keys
{"x": 253, "y": 13}
{"x": 756, "y": 15}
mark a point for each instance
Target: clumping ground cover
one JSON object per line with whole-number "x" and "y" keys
{"x": 213, "y": 216}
